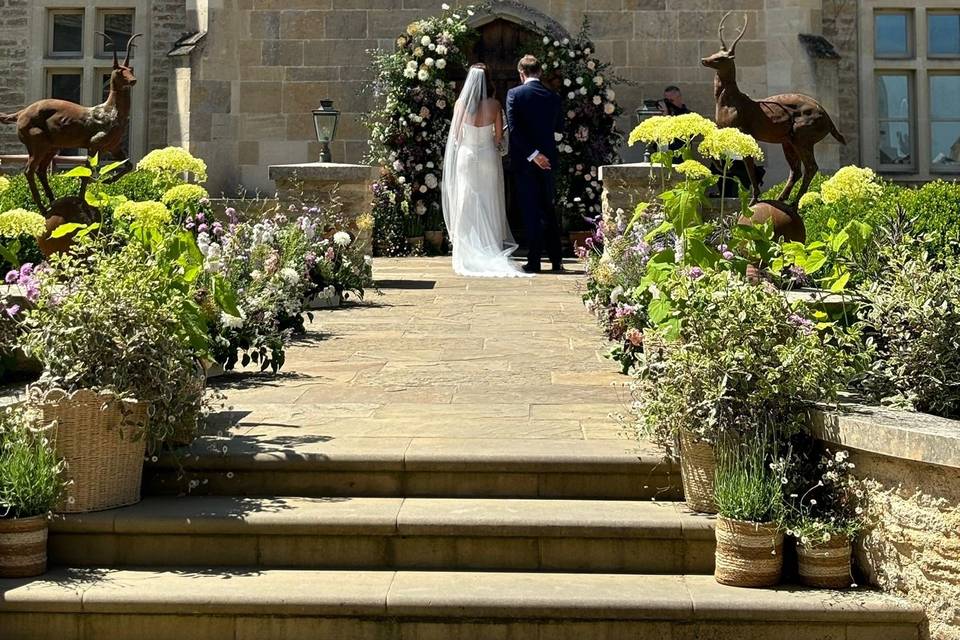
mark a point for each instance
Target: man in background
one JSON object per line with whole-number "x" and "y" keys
{"x": 672, "y": 103}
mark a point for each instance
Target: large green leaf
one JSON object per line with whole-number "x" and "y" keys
{"x": 66, "y": 228}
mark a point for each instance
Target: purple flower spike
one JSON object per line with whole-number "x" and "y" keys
{"x": 26, "y": 270}
{"x": 12, "y": 310}
{"x": 12, "y": 277}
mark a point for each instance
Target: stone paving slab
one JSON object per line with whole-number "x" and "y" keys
{"x": 436, "y": 356}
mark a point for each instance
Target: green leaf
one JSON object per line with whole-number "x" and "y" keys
{"x": 700, "y": 254}
{"x": 225, "y": 296}
{"x": 840, "y": 282}
{"x": 94, "y": 161}
{"x": 66, "y": 228}
{"x": 110, "y": 168}
{"x": 82, "y": 233}
{"x": 10, "y": 252}
{"x": 659, "y": 310}
{"x": 78, "y": 172}
{"x": 664, "y": 227}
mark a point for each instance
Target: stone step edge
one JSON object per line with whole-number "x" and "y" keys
{"x": 459, "y": 595}
{"x": 421, "y": 455}
{"x": 502, "y": 518}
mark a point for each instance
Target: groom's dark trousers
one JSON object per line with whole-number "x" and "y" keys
{"x": 533, "y": 117}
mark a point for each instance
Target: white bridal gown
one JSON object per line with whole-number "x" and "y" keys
{"x": 474, "y": 206}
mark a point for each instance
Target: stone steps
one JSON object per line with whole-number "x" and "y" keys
{"x": 590, "y": 536}
{"x": 415, "y": 467}
{"x": 270, "y": 603}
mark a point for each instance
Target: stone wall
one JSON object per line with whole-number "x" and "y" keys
{"x": 167, "y": 24}
{"x": 267, "y": 63}
{"x": 14, "y": 45}
{"x": 841, "y": 29}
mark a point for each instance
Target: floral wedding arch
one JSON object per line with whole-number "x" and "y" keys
{"x": 414, "y": 92}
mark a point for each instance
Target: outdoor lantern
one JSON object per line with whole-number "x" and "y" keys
{"x": 648, "y": 110}
{"x": 325, "y": 122}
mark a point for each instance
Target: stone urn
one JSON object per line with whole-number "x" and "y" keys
{"x": 787, "y": 223}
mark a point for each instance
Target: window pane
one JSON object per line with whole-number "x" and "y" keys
{"x": 945, "y": 144}
{"x": 895, "y": 143}
{"x": 944, "y": 97}
{"x": 119, "y": 26}
{"x": 891, "y": 34}
{"x": 893, "y": 97}
{"x": 66, "y": 86}
{"x": 67, "y": 33}
{"x": 944, "y": 33}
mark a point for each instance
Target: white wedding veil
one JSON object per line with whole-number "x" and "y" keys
{"x": 471, "y": 98}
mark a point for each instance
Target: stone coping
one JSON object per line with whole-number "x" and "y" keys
{"x": 918, "y": 437}
{"x": 441, "y": 594}
{"x": 472, "y": 517}
{"x": 324, "y": 171}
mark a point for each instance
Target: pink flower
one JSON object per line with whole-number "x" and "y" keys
{"x": 12, "y": 310}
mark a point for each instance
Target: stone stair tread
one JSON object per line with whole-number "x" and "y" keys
{"x": 248, "y": 450}
{"x": 418, "y": 594}
{"x": 227, "y": 515}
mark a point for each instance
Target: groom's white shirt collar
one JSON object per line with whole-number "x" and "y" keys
{"x": 529, "y": 80}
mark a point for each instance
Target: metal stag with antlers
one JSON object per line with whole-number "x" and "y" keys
{"x": 48, "y": 126}
{"x": 793, "y": 120}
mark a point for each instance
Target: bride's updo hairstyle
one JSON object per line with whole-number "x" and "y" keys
{"x": 491, "y": 90}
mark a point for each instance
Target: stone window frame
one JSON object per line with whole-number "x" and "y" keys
{"x": 920, "y": 67}
{"x": 91, "y": 62}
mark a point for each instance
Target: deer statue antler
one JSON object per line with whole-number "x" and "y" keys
{"x": 108, "y": 40}
{"x": 746, "y": 20}
{"x": 723, "y": 45}
{"x": 130, "y": 46}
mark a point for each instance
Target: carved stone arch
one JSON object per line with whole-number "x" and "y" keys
{"x": 521, "y": 14}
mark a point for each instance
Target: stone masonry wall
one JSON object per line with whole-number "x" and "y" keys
{"x": 14, "y": 44}
{"x": 841, "y": 29}
{"x": 267, "y": 63}
{"x": 167, "y": 24}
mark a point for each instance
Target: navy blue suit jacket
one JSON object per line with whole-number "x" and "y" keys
{"x": 533, "y": 117}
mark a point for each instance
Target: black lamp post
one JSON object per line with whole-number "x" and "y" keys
{"x": 648, "y": 110}
{"x": 325, "y": 121}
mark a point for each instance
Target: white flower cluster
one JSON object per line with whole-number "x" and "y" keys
{"x": 212, "y": 253}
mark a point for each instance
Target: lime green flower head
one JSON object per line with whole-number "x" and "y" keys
{"x": 150, "y": 212}
{"x": 173, "y": 163}
{"x": 729, "y": 143}
{"x": 4, "y": 184}
{"x": 693, "y": 170}
{"x": 663, "y": 130}
{"x": 808, "y": 199}
{"x": 20, "y": 222}
{"x": 851, "y": 183}
{"x": 184, "y": 197}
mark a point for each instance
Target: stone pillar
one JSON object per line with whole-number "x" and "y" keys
{"x": 326, "y": 183}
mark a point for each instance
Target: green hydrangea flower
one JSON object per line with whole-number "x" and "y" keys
{"x": 149, "y": 211}
{"x": 20, "y": 222}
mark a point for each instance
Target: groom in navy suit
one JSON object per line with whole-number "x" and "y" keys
{"x": 534, "y": 115}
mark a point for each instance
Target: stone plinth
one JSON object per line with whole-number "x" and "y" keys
{"x": 328, "y": 183}
{"x": 627, "y": 185}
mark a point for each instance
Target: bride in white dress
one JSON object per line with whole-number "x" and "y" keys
{"x": 474, "y": 206}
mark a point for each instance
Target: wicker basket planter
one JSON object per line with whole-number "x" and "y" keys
{"x": 698, "y": 465}
{"x": 100, "y": 438}
{"x": 749, "y": 554}
{"x": 825, "y": 565}
{"x": 23, "y": 546}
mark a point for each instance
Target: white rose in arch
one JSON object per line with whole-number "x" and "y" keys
{"x": 423, "y": 75}
{"x": 445, "y": 6}
{"x": 566, "y": 41}
{"x": 431, "y": 181}
{"x": 571, "y": 95}
{"x": 423, "y": 188}
{"x": 583, "y": 91}
{"x": 546, "y": 40}
{"x": 425, "y": 40}
{"x": 580, "y": 80}
{"x": 441, "y": 50}
{"x": 611, "y": 95}
{"x": 441, "y": 64}
{"x": 566, "y": 82}
{"x": 609, "y": 108}
{"x": 410, "y": 73}
{"x": 591, "y": 65}
{"x": 556, "y": 43}
{"x": 432, "y": 47}
{"x": 597, "y": 100}
{"x": 598, "y": 80}
{"x": 558, "y": 137}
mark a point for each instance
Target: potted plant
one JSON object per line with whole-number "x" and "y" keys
{"x": 748, "y": 497}
{"x": 823, "y": 514}
{"x": 728, "y": 357}
{"x": 117, "y": 338}
{"x": 31, "y": 483}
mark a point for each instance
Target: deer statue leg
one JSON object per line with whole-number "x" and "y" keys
{"x": 793, "y": 159}
{"x": 31, "y": 175}
{"x": 810, "y": 169}
{"x": 43, "y": 175}
{"x": 754, "y": 183}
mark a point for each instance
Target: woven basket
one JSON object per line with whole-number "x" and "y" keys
{"x": 23, "y": 547}
{"x": 100, "y": 438}
{"x": 749, "y": 554}
{"x": 698, "y": 465}
{"x": 825, "y": 565}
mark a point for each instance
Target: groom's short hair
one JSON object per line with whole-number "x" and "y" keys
{"x": 529, "y": 66}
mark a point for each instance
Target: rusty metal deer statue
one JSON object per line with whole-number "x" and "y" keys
{"x": 48, "y": 126}
{"x": 793, "y": 120}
